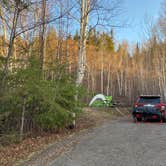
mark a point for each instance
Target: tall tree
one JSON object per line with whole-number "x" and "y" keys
{"x": 19, "y": 6}
{"x": 42, "y": 34}
{"x": 85, "y": 9}
{"x": 104, "y": 11}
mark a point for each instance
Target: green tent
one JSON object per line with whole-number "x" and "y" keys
{"x": 101, "y": 100}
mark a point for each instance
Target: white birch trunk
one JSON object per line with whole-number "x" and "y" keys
{"x": 85, "y": 7}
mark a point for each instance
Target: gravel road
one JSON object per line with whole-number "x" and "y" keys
{"x": 117, "y": 143}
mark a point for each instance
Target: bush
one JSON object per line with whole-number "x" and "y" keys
{"x": 47, "y": 97}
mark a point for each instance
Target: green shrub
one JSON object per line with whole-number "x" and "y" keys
{"x": 47, "y": 96}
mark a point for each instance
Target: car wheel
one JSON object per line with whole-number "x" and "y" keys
{"x": 163, "y": 119}
{"x": 134, "y": 119}
{"x": 139, "y": 119}
{"x": 143, "y": 119}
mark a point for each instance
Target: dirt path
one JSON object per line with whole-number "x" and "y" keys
{"x": 118, "y": 143}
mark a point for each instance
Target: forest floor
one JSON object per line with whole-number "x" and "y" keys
{"x": 30, "y": 148}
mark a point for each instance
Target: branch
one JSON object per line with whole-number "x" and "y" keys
{"x": 41, "y": 23}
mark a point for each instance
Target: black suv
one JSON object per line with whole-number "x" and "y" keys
{"x": 149, "y": 107}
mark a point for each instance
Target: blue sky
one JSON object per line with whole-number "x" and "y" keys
{"x": 136, "y": 12}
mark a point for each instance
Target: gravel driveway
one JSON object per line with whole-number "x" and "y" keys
{"x": 117, "y": 143}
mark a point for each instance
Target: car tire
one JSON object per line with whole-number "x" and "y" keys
{"x": 134, "y": 119}
{"x": 163, "y": 119}
{"x": 143, "y": 119}
{"x": 139, "y": 119}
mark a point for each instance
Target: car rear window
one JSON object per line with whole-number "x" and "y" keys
{"x": 153, "y": 100}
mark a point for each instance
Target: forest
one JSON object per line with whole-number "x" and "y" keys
{"x": 56, "y": 54}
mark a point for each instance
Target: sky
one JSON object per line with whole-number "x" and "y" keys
{"x": 137, "y": 12}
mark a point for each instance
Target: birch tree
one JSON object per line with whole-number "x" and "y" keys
{"x": 101, "y": 13}
{"x": 85, "y": 9}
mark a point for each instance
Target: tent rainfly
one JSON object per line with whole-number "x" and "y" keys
{"x": 101, "y": 100}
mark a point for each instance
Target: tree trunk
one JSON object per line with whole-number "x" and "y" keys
{"x": 108, "y": 80}
{"x": 22, "y": 120}
{"x": 10, "y": 48}
{"x": 4, "y": 31}
{"x": 93, "y": 81}
{"x": 102, "y": 74}
{"x": 42, "y": 34}
{"x": 85, "y": 7}
{"x": 120, "y": 82}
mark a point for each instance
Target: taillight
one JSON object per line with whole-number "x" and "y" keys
{"x": 162, "y": 107}
{"x": 154, "y": 116}
{"x": 138, "y": 105}
{"x": 138, "y": 116}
